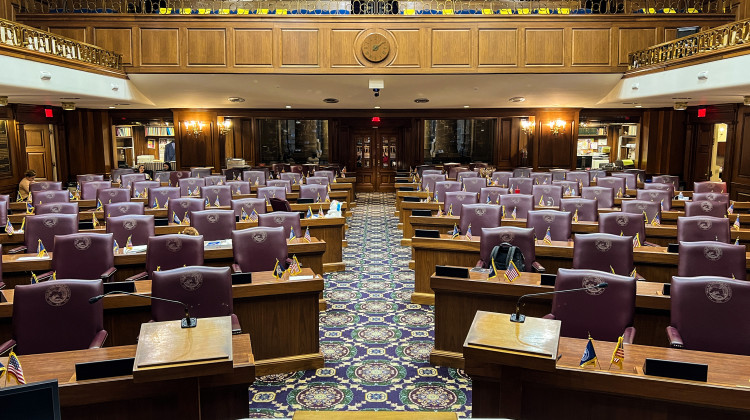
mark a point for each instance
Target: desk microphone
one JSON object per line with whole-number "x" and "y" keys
{"x": 517, "y": 317}
{"x": 187, "y": 322}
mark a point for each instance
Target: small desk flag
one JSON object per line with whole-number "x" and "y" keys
{"x": 277, "y": 271}
{"x": 243, "y": 216}
{"x": 655, "y": 221}
{"x": 547, "y": 238}
{"x": 29, "y": 207}
{"x": 99, "y": 205}
{"x": 455, "y": 232}
{"x": 730, "y": 209}
{"x": 115, "y": 247}
{"x": 493, "y": 271}
{"x": 637, "y": 241}
{"x": 575, "y": 216}
{"x": 9, "y": 228}
{"x": 291, "y": 235}
{"x": 175, "y": 219}
{"x": 186, "y": 220}
{"x": 513, "y": 215}
{"x": 40, "y": 250}
{"x": 309, "y": 213}
{"x": 619, "y": 354}
{"x": 440, "y": 211}
{"x": 589, "y": 355}
{"x": 736, "y": 224}
{"x": 295, "y": 267}
{"x": 468, "y": 233}
{"x": 308, "y": 238}
{"x": 94, "y": 220}
{"x": 450, "y": 210}
{"x": 253, "y": 216}
{"x": 14, "y": 368}
{"x": 217, "y": 203}
{"x": 156, "y": 202}
{"x": 129, "y": 243}
{"x": 511, "y": 273}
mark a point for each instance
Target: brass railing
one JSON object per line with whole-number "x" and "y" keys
{"x": 379, "y": 7}
{"x": 13, "y": 34}
{"x": 702, "y": 43}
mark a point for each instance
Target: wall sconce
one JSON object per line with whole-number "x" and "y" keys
{"x": 557, "y": 126}
{"x": 225, "y": 126}
{"x": 527, "y": 127}
{"x": 194, "y": 127}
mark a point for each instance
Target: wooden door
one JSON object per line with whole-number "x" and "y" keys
{"x": 38, "y": 151}
{"x": 376, "y": 156}
{"x": 364, "y": 159}
{"x": 388, "y": 157}
{"x": 704, "y": 141}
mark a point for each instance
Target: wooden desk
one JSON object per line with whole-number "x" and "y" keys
{"x": 221, "y": 396}
{"x": 280, "y": 316}
{"x": 571, "y": 392}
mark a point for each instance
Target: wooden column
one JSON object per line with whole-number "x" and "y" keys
{"x": 197, "y": 150}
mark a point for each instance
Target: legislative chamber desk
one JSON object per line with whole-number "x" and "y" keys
{"x": 458, "y": 299}
{"x": 281, "y": 317}
{"x": 654, "y": 264}
{"x": 523, "y": 389}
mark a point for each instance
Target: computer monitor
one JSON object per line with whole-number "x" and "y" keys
{"x": 38, "y": 400}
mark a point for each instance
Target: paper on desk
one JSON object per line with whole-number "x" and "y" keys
{"x": 135, "y": 249}
{"x": 308, "y": 277}
{"x": 33, "y": 258}
{"x": 223, "y": 242}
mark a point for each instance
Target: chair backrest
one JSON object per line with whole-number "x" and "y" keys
{"x": 523, "y": 238}
{"x": 126, "y": 180}
{"x": 640, "y": 174}
{"x": 316, "y": 192}
{"x": 215, "y": 180}
{"x": 709, "y": 186}
{"x": 320, "y": 180}
{"x": 83, "y": 256}
{"x": 279, "y": 204}
{"x": 123, "y": 209}
{"x": 454, "y": 200}
{"x": 56, "y": 208}
{"x": 113, "y": 195}
{"x": 466, "y": 174}
{"x": 200, "y": 172}
{"x": 588, "y": 210}
{"x": 558, "y": 222}
{"x": 258, "y": 248}
{"x": 541, "y": 178}
{"x": 578, "y": 177}
{"x": 181, "y": 206}
{"x": 163, "y": 195}
{"x": 660, "y": 197}
{"x": 207, "y": 291}
{"x": 137, "y": 227}
{"x": 272, "y": 192}
{"x": 569, "y": 188}
{"x": 558, "y": 174}
{"x": 222, "y": 192}
{"x": 297, "y": 169}
{"x": 38, "y": 186}
{"x": 604, "y": 196}
{"x": 703, "y": 228}
{"x": 711, "y": 313}
{"x": 650, "y": 208}
{"x": 249, "y": 204}
{"x": 521, "y": 203}
{"x": 88, "y": 189}
{"x": 453, "y": 171}
{"x": 276, "y": 168}
{"x": 523, "y": 185}
{"x": 45, "y": 227}
{"x": 289, "y": 220}
{"x": 50, "y": 196}
{"x": 56, "y": 316}
{"x": 292, "y": 177}
{"x": 89, "y": 177}
{"x": 176, "y": 176}
{"x": 116, "y": 174}
{"x": 328, "y": 174}
{"x": 142, "y": 187}
{"x": 432, "y": 172}
{"x": 596, "y": 174}
{"x": 603, "y": 313}
{"x": 663, "y": 186}
{"x": 287, "y": 185}
{"x": 239, "y": 187}
{"x": 547, "y": 195}
{"x": 627, "y": 224}
{"x": 712, "y": 258}
{"x": 521, "y": 173}
{"x": 667, "y": 179}
{"x": 491, "y": 193}
{"x": 191, "y": 184}
{"x": 616, "y": 183}
{"x": 233, "y": 173}
{"x": 500, "y": 178}
{"x": 214, "y": 225}
{"x": 475, "y": 184}
{"x": 428, "y": 181}
{"x": 442, "y": 187}
{"x": 4, "y": 214}
{"x": 715, "y": 197}
{"x": 705, "y": 208}
{"x": 603, "y": 252}
{"x": 162, "y": 176}
{"x": 479, "y": 216}
{"x": 165, "y": 252}
{"x": 630, "y": 180}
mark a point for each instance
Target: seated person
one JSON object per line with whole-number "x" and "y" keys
{"x": 24, "y": 185}
{"x": 142, "y": 170}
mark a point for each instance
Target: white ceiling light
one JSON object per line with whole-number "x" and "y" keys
{"x": 517, "y": 99}
{"x": 3, "y": 101}
{"x": 236, "y": 100}
{"x": 745, "y": 100}
{"x": 45, "y": 75}
{"x": 68, "y": 106}
{"x": 680, "y": 106}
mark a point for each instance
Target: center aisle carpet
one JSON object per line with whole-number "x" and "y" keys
{"x": 376, "y": 343}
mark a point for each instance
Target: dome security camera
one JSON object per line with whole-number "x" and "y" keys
{"x": 377, "y": 92}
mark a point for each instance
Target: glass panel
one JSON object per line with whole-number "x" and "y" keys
{"x": 5, "y": 167}
{"x": 293, "y": 141}
{"x": 461, "y": 141}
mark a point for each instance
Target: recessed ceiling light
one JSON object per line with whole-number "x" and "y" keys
{"x": 638, "y": 106}
{"x": 236, "y": 99}
{"x": 288, "y": 107}
{"x": 377, "y": 107}
{"x": 112, "y": 107}
{"x": 517, "y": 99}
{"x": 681, "y": 99}
{"x": 421, "y": 100}
{"x": 466, "y": 106}
{"x": 122, "y": 104}
{"x": 331, "y": 100}
{"x": 70, "y": 99}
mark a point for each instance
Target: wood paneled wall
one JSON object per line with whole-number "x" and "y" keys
{"x": 87, "y": 144}
{"x": 9, "y": 183}
{"x": 319, "y": 44}
{"x": 663, "y": 142}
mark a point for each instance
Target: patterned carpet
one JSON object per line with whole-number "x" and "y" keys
{"x": 375, "y": 342}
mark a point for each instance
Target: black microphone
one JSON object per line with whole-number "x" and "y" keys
{"x": 187, "y": 322}
{"x": 517, "y": 317}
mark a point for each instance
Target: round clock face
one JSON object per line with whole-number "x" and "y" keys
{"x": 375, "y": 48}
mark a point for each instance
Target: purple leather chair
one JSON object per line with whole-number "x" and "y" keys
{"x": 432, "y": 172}
{"x": 287, "y": 219}
{"x": 428, "y": 181}
{"x": 297, "y": 169}
{"x": 640, "y": 174}
{"x": 596, "y": 173}
{"x": 215, "y": 180}
{"x": 521, "y": 173}
{"x": 569, "y": 188}
{"x": 710, "y": 314}
{"x": 493, "y": 193}
{"x": 239, "y": 187}
{"x": 705, "y": 208}
{"x": 319, "y": 180}
{"x": 141, "y": 187}
{"x": 616, "y": 183}
{"x": 447, "y": 167}
{"x": 603, "y": 252}
{"x": 477, "y": 165}
{"x": 523, "y": 185}
{"x": 164, "y": 195}
{"x": 523, "y": 238}
{"x": 550, "y": 195}
{"x": 248, "y": 204}
{"x": 316, "y": 192}
{"x": 541, "y": 178}
{"x": 627, "y": 224}
{"x": 659, "y": 197}
{"x": 604, "y": 314}
{"x": 278, "y": 204}
{"x": 85, "y": 256}
{"x": 162, "y": 177}
{"x": 579, "y": 177}
{"x": 456, "y": 199}
{"x": 4, "y": 213}
{"x": 711, "y": 258}
{"x": 176, "y": 176}
{"x": 56, "y": 208}
{"x": 475, "y": 184}
{"x": 703, "y": 228}
{"x": 200, "y": 172}
{"x": 223, "y": 192}
{"x": 88, "y": 189}
{"x": 126, "y": 180}
{"x": 630, "y": 179}
{"x": 667, "y": 179}
{"x": 588, "y": 210}
{"x": 45, "y": 227}
{"x": 287, "y": 185}
{"x": 124, "y": 209}
{"x": 276, "y": 168}
{"x": 50, "y": 196}
{"x": 233, "y": 174}
{"x": 89, "y": 177}
{"x": 166, "y": 252}
{"x": 292, "y": 177}
{"x": 207, "y": 291}
{"x": 605, "y": 197}
{"x": 466, "y": 174}
{"x": 442, "y": 187}
{"x": 40, "y": 186}
{"x": 558, "y": 174}
{"x": 710, "y": 186}
{"x": 113, "y": 195}
{"x": 192, "y": 184}
{"x": 659, "y": 186}
{"x": 118, "y": 173}
{"x": 4, "y": 200}
{"x": 501, "y": 178}
{"x": 328, "y": 174}
{"x": 453, "y": 171}
{"x": 139, "y": 227}
{"x": 522, "y": 203}
{"x": 181, "y": 206}
{"x": 479, "y": 216}
{"x": 558, "y": 222}
{"x": 715, "y": 197}
{"x": 258, "y": 248}
{"x": 274, "y": 192}
{"x": 640, "y": 207}
{"x": 56, "y": 316}
{"x": 214, "y": 225}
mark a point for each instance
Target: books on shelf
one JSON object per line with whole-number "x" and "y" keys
{"x": 159, "y": 131}
{"x": 123, "y": 131}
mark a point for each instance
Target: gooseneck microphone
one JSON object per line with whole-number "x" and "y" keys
{"x": 187, "y": 322}
{"x": 517, "y": 317}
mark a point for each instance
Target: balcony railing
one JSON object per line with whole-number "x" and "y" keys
{"x": 716, "y": 40}
{"x": 379, "y": 7}
{"x": 26, "y": 38}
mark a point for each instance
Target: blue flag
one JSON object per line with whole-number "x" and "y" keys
{"x": 589, "y": 355}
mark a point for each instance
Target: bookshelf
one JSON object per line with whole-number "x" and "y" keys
{"x": 157, "y": 137}
{"x": 125, "y": 145}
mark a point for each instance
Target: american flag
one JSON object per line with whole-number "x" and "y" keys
{"x": 511, "y": 273}
{"x": 294, "y": 266}
{"x": 253, "y": 216}
{"x": 14, "y": 368}
{"x": 547, "y": 238}
{"x": 637, "y": 241}
{"x": 655, "y": 221}
{"x": 468, "y": 233}
{"x": 619, "y": 354}
{"x": 308, "y": 238}
{"x": 9, "y": 228}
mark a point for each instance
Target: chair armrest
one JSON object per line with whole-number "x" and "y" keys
{"x": 675, "y": 340}
{"x": 548, "y": 316}
{"x": 236, "y": 328}
{"x": 98, "y": 340}
{"x": 538, "y": 267}
{"x": 46, "y": 276}
{"x": 17, "y": 250}
{"x": 7, "y": 346}
{"x": 2, "y": 285}
{"x": 236, "y": 268}
{"x": 639, "y": 277}
{"x": 647, "y": 243}
{"x": 480, "y": 264}
{"x": 628, "y": 335}
{"x": 139, "y": 276}
{"x": 107, "y": 275}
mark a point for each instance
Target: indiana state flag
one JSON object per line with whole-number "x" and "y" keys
{"x": 589, "y": 355}
{"x": 176, "y": 220}
{"x": 309, "y": 213}
{"x": 29, "y": 208}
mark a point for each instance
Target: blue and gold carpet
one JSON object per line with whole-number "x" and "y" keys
{"x": 375, "y": 342}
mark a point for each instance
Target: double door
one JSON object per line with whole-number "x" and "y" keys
{"x": 376, "y": 157}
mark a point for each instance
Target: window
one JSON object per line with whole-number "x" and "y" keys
{"x": 293, "y": 141}
{"x": 461, "y": 141}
